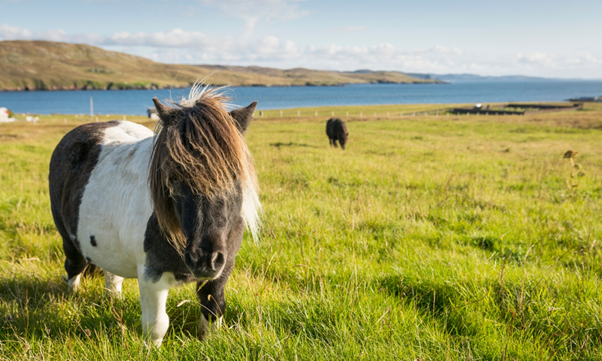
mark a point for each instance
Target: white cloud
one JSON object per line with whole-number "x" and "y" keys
{"x": 445, "y": 50}
{"x": 385, "y": 56}
{"x": 537, "y": 59}
{"x": 14, "y": 33}
{"x": 273, "y": 48}
{"x": 184, "y": 43}
{"x": 181, "y": 46}
{"x": 252, "y": 11}
{"x": 206, "y": 49}
{"x": 8, "y": 32}
{"x": 176, "y": 38}
{"x": 592, "y": 60}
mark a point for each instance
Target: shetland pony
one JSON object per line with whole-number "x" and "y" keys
{"x": 336, "y": 129}
{"x": 167, "y": 208}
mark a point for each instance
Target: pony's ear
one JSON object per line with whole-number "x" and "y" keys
{"x": 243, "y": 116}
{"x": 167, "y": 114}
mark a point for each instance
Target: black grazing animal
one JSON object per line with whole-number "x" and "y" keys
{"x": 337, "y": 130}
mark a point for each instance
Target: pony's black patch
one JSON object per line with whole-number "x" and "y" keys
{"x": 72, "y": 162}
{"x": 161, "y": 256}
{"x": 93, "y": 241}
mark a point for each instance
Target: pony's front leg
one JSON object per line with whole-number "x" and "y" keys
{"x": 213, "y": 303}
{"x": 153, "y": 296}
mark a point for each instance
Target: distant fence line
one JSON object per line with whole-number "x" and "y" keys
{"x": 331, "y": 113}
{"x": 510, "y": 109}
{"x": 518, "y": 109}
{"x": 506, "y": 109}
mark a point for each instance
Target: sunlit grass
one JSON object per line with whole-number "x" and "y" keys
{"x": 429, "y": 238}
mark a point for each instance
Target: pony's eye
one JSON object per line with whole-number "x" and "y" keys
{"x": 176, "y": 189}
{"x": 221, "y": 221}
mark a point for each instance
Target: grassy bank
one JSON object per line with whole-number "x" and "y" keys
{"x": 430, "y": 237}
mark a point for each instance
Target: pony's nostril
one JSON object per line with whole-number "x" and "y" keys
{"x": 217, "y": 260}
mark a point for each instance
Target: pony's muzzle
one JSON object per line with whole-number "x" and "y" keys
{"x": 205, "y": 266}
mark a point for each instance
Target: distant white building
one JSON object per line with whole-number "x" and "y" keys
{"x": 152, "y": 113}
{"x": 4, "y": 116}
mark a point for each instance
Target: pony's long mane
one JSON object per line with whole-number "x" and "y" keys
{"x": 202, "y": 147}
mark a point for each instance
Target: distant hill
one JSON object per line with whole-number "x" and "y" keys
{"x": 44, "y": 65}
{"x": 302, "y": 76}
{"x": 466, "y": 78}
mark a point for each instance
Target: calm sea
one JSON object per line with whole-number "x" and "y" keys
{"x": 137, "y": 101}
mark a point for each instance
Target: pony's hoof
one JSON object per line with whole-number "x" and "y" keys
{"x": 206, "y": 328}
{"x": 72, "y": 282}
{"x": 113, "y": 294}
{"x": 150, "y": 344}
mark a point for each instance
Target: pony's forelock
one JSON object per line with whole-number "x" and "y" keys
{"x": 200, "y": 91}
{"x": 204, "y": 149}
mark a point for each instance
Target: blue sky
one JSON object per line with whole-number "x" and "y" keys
{"x": 539, "y": 38}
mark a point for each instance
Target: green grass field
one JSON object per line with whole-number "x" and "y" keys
{"x": 429, "y": 238}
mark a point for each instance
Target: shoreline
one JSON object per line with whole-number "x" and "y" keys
{"x": 293, "y": 98}
{"x": 366, "y": 111}
{"x": 156, "y": 87}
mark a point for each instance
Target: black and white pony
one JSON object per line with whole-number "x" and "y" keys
{"x": 167, "y": 208}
